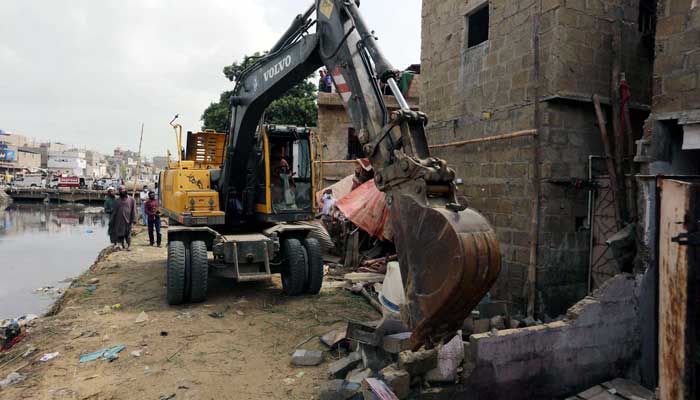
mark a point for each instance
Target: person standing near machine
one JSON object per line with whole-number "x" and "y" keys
{"x": 153, "y": 214}
{"x": 143, "y": 196}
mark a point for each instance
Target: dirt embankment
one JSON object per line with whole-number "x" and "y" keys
{"x": 183, "y": 351}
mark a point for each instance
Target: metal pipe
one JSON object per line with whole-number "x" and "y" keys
{"x": 398, "y": 95}
{"x": 529, "y": 132}
{"x": 298, "y": 22}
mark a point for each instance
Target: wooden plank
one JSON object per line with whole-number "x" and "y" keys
{"x": 629, "y": 390}
{"x": 592, "y": 392}
{"x": 673, "y": 295}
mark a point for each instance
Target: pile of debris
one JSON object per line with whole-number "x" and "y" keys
{"x": 13, "y": 331}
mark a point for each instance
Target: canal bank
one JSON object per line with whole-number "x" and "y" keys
{"x": 5, "y": 199}
{"x": 178, "y": 351}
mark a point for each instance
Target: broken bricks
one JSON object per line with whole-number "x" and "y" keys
{"x": 418, "y": 362}
{"x": 307, "y": 358}
{"x": 340, "y": 368}
{"x": 399, "y": 381}
{"x": 338, "y": 389}
{"x": 397, "y": 343}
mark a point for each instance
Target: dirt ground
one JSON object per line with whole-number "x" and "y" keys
{"x": 245, "y": 355}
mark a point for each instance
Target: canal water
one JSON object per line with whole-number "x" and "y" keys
{"x": 41, "y": 246}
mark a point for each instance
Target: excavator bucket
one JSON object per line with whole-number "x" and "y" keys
{"x": 449, "y": 261}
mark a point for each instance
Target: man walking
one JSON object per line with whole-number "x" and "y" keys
{"x": 153, "y": 214}
{"x": 110, "y": 200}
{"x": 144, "y": 198}
{"x": 123, "y": 218}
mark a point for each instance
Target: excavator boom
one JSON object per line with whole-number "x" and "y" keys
{"x": 448, "y": 253}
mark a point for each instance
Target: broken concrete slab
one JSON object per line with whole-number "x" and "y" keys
{"x": 340, "y": 368}
{"x": 307, "y": 358}
{"x": 398, "y": 380}
{"x": 366, "y": 333}
{"x": 334, "y": 338}
{"x": 418, "y": 362}
{"x": 450, "y": 357}
{"x": 373, "y": 357}
{"x": 338, "y": 389}
{"x": 397, "y": 343}
{"x": 359, "y": 375}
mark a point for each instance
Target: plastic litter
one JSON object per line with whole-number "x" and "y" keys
{"x": 146, "y": 370}
{"x": 136, "y": 353}
{"x": 288, "y": 381}
{"x": 48, "y": 357}
{"x": 11, "y": 379}
{"x": 142, "y": 318}
{"x": 216, "y": 315}
{"x": 108, "y": 353}
{"x": 91, "y": 289}
{"x": 167, "y": 397}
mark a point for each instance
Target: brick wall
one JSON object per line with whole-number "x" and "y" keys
{"x": 490, "y": 88}
{"x": 333, "y": 125}
{"x": 677, "y": 67}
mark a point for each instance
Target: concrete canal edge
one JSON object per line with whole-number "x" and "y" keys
{"x": 5, "y": 199}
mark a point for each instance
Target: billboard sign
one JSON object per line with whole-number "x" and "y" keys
{"x": 8, "y": 156}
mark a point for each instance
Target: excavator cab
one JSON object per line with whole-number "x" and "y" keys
{"x": 284, "y": 178}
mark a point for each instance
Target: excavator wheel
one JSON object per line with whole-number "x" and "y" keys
{"x": 176, "y": 266}
{"x": 294, "y": 271}
{"x": 314, "y": 277}
{"x": 199, "y": 272}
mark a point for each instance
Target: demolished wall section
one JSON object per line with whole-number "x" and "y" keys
{"x": 599, "y": 340}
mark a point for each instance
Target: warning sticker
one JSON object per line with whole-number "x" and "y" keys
{"x": 326, "y": 8}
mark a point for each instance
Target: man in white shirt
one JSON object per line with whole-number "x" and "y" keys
{"x": 143, "y": 196}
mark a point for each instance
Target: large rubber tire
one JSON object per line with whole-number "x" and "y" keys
{"x": 294, "y": 270}
{"x": 199, "y": 272}
{"x": 314, "y": 277}
{"x": 176, "y": 267}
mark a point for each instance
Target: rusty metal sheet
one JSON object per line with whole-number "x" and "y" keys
{"x": 679, "y": 200}
{"x": 449, "y": 261}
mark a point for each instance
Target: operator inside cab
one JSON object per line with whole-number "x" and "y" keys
{"x": 281, "y": 182}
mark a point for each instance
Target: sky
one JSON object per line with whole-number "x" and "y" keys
{"x": 89, "y": 73}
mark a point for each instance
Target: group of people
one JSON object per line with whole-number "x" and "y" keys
{"x": 121, "y": 209}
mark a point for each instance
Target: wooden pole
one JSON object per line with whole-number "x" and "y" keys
{"x": 619, "y": 141}
{"x": 529, "y": 132}
{"x": 138, "y": 162}
{"x": 609, "y": 162}
{"x": 534, "y": 234}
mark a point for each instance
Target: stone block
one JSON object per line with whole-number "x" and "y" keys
{"x": 450, "y": 357}
{"x": 418, "y": 362}
{"x": 398, "y": 380}
{"x": 306, "y": 358}
{"x": 358, "y": 375}
{"x": 340, "y": 368}
{"x": 373, "y": 357}
{"x": 397, "y": 343}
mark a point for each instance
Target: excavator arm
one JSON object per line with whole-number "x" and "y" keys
{"x": 448, "y": 253}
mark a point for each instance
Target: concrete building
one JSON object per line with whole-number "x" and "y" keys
{"x": 503, "y": 66}
{"x": 338, "y": 136}
{"x": 96, "y": 165}
{"x": 69, "y": 162}
{"x": 160, "y": 163}
{"x": 29, "y": 158}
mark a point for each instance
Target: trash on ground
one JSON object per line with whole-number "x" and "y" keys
{"x": 48, "y": 357}
{"x": 167, "y": 397}
{"x": 108, "y": 354}
{"x": 301, "y": 374}
{"x": 30, "y": 350}
{"x": 93, "y": 281}
{"x": 164, "y": 333}
{"x": 288, "y": 381}
{"x": 184, "y": 315}
{"x": 136, "y": 353}
{"x": 217, "y": 314}
{"x": 142, "y": 318}
{"x": 11, "y": 379}
{"x": 117, "y": 306}
{"x": 91, "y": 289}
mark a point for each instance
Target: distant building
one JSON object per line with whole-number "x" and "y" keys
{"x": 339, "y": 136}
{"x": 29, "y": 158}
{"x": 69, "y": 162}
{"x": 160, "y": 163}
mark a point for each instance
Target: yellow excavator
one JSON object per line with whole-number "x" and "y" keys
{"x": 240, "y": 206}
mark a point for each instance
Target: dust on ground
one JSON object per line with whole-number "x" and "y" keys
{"x": 184, "y": 351}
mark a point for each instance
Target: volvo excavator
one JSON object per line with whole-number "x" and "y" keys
{"x": 448, "y": 253}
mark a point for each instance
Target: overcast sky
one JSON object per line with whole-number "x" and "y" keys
{"x": 89, "y": 72}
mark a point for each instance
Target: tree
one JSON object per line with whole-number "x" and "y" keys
{"x": 296, "y": 107}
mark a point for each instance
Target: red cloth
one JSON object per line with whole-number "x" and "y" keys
{"x": 366, "y": 208}
{"x": 625, "y": 95}
{"x": 13, "y": 342}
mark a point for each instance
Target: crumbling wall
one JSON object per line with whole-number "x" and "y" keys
{"x": 599, "y": 340}
{"x": 490, "y": 89}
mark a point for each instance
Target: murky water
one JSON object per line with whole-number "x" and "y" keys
{"x": 41, "y": 246}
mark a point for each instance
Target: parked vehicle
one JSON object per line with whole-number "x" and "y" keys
{"x": 64, "y": 182}
{"x": 104, "y": 183}
{"x": 87, "y": 183}
{"x": 29, "y": 181}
